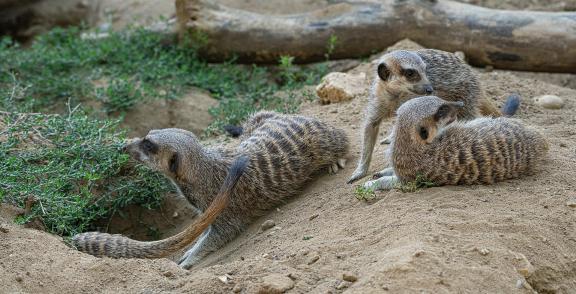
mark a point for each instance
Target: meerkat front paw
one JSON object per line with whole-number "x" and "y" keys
{"x": 359, "y": 173}
{"x": 383, "y": 183}
{"x": 335, "y": 167}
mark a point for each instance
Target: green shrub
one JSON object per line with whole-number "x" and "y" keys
{"x": 72, "y": 168}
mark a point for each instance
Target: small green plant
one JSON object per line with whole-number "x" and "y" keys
{"x": 287, "y": 70}
{"x": 419, "y": 183}
{"x": 119, "y": 95}
{"x": 365, "y": 194}
{"x": 332, "y": 41}
{"x": 306, "y": 238}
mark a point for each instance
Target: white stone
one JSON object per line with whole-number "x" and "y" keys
{"x": 549, "y": 101}
{"x": 337, "y": 87}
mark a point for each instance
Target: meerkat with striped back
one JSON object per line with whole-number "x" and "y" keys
{"x": 431, "y": 144}
{"x": 277, "y": 155}
{"x": 402, "y": 75}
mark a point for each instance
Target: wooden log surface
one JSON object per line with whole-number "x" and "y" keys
{"x": 505, "y": 39}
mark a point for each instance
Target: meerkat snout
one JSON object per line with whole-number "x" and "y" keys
{"x": 423, "y": 89}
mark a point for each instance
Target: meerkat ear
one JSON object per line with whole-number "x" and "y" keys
{"x": 173, "y": 164}
{"x": 443, "y": 111}
{"x": 383, "y": 71}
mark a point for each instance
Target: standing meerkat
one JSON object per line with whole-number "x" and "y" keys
{"x": 430, "y": 144}
{"x": 403, "y": 75}
{"x": 282, "y": 151}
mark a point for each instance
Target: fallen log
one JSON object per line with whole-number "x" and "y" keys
{"x": 505, "y": 39}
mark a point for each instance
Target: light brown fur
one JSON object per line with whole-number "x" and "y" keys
{"x": 434, "y": 71}
{"x": 284, "y": 152}
{"x": 430, "y": 144}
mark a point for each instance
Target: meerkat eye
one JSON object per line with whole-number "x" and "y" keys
{"x": 383, "y": 72}
{"x": 409, "y": 73}
{"x": 148, "y": 146}
{"x": 423, "y": 132}
{"x": 173, "y": 164}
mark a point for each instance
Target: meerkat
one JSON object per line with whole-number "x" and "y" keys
{"x": 283, "y": 151}
{"x": 403, "y": 75}
{"x": 103, "y": 244}
{"x": 430, "y": 143}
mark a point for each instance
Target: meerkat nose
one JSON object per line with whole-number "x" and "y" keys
{"x": 429, "y": 90}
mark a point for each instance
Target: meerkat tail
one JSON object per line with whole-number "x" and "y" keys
{"x": 117, "y": 246}
{"x": 511, "y": 105}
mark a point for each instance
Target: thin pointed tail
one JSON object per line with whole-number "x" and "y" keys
{"x": 116, "y": 246}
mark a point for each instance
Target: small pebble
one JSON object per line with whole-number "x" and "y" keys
{"x": 168, "y": 274}
{"x": 267, "y": 225}
{"x": 571, "y": 202}
{"x": 313, "y": 216}
{"x": 484, "y": 251}
{"x": 175, "y": 215}
{"x": 225, "y": 278}
{"x": 549, "y": 101}
{"x": 19, "y": 279}
{"x": 349, "y": 277}
{"x": 342, "y": 285}
{"x": 313, "y": 259}
{"x": 276, "y": 283}
{"x": 237, "y": 288}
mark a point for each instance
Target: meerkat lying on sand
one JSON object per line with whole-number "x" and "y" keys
{"x": 403, "y": 75}
{"x": 278, "y": 154}
{"x": 429, "y": 143}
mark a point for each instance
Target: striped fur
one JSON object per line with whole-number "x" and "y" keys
{"x": 450, "y": 78}
{"x": 283, "y": 151}
{"x": 481, "y": 151}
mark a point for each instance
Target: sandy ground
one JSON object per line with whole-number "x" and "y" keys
{"x": 518, "y": 236}
{"x": 479, "y": 239}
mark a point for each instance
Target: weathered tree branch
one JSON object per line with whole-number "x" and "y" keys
{"x": 519, "y": 40}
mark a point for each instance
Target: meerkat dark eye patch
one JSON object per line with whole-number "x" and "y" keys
{"x": 423, "y": 132}
{"x": 173, "y": 164}
{"x": 383, "y": 71}
{"x": 148, "y": 146}
{"x": 442, "y": 112}
{"x": 411, "y": 74}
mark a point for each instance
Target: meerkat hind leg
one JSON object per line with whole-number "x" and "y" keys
{"x": 383, "y": 183}
{"x": 192, "y": 255}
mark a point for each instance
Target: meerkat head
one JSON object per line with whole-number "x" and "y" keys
{"x": 423, "y": 118}
{"x": 165, "y": 150}
{"x": 402, "y": 73}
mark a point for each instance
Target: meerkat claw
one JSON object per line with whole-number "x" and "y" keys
{"x": 389, "y": 171}
{"x": 386, "y": 141}
{"x": 333, "y": 169}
